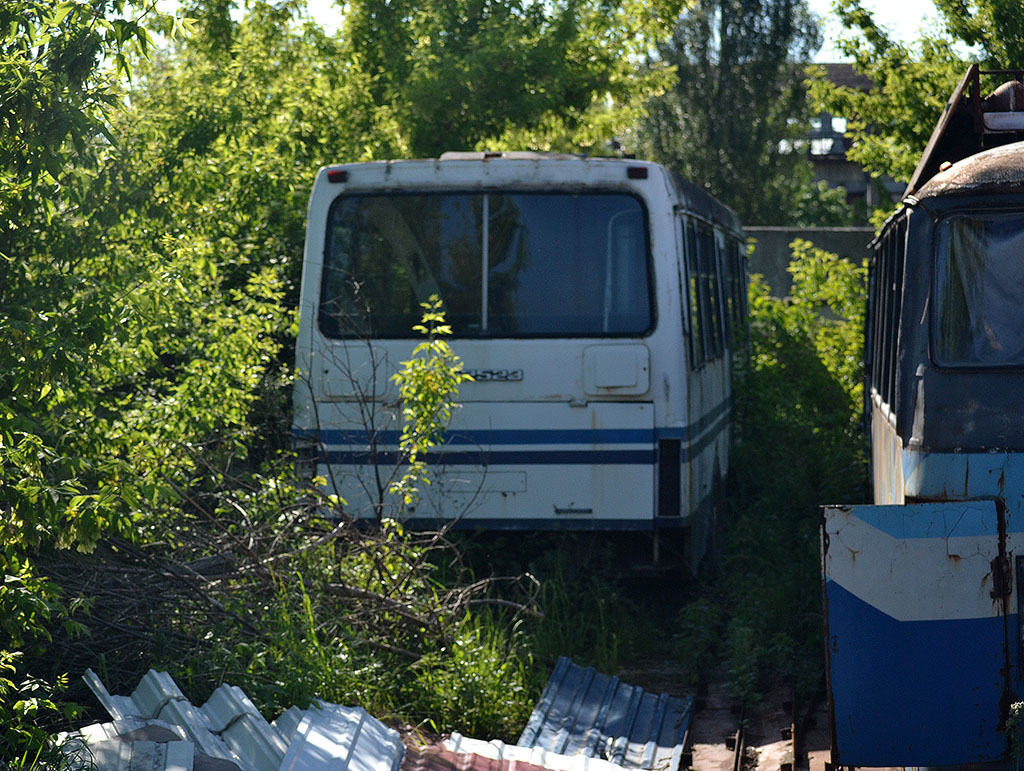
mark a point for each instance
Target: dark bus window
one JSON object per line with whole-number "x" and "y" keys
{"x": 557, "y": 264}
{"x": 697, "y": 350}
{"x": 709, "y": 293}
{"x": 879, "y": 271}
{"x": 979, "y": 289}
{"x": 735, "y": 289}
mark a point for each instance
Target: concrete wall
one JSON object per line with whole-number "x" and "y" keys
{"x": 772, "y": 253}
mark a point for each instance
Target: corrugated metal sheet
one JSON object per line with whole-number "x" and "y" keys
{"x": 133, "y": 744}
{"x": 129, "y": 729}
{"x": 118, "y": 707}
{"x": 235, "y": 718}
{"x": 582, "y": 712}
{"x": 117, "y": 755}
{"x": 197, "y": 727}
{"x": 342, "y": 739}
{"x": 288, "y": 721}
{"x": 154, "y": 690}
{"x": 535, "y": 756}
{"x": 228, "y": 733}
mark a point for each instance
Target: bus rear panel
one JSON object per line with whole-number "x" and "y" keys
{"x": 592, "y": 301}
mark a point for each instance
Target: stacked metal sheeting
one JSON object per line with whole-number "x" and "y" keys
{"x": 584, "y": 721}
{"x": 582, "y": 712}
{"x": 158, "y": 729}
{"x": 534, "y": 756}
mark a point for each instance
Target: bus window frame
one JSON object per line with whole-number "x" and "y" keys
{"x": 648, "y": 257}
{"x": 933, "y": 311}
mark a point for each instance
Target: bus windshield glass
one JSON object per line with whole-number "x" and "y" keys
{"x": 504, "y": 264}
{"x": 980, "y": 291}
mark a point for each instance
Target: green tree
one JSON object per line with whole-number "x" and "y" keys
{"x": 733, "y": 120}
{"x": 890, "y": 124}
{"x": 131, "y": 353}
{"x": 475, "y": 74}
{"x": 53, "y": 93}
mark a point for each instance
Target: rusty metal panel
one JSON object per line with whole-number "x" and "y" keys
{"x": 442, "y": 758}
{"x": 921, "y": 632}
{"x": 583, "y": 712}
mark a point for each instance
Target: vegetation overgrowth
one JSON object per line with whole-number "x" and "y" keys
{"x": 151, "y": 227}
{"x": 799, "y": 444}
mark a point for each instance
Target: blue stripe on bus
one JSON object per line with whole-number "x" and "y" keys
{"x": 480, "y": 437}
{"x": 540, "y": 523}
{"x": 534, "y": 436}
{"x": 500, "y": 458}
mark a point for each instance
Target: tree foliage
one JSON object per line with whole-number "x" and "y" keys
{"x": 151, "y": 235}
{"x": 890, "y": 124}
{"x": 734, "y": 118}
{"x": 474, "y": 74}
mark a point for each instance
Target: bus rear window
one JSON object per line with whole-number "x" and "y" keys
{"x": 979, "y": 286}
{"x": 505, "y": 265}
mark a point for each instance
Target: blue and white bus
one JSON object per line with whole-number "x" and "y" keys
{"x": 922, "y": 590}
{"x": 595, "y": 302}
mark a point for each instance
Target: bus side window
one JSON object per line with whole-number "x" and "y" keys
{"x": 697, "y": 357}
{"x": 878, "y": 320}
{"x": 625, "y": 299}
{"x": 886, "y": 305}
{"x": 725, "y": 282}
{"x": 710, "y": 317}
{"x": 899, "y": 255}
{"x": 738, "y": 290}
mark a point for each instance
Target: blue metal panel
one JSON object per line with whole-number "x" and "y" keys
{"x": 922, "y": 653}
{"x": 582, "y": 712}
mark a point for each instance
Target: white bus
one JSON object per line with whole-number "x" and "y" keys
{"x": 595, "y": 303}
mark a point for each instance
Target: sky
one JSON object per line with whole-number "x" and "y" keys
{"x": 903, "y": 18}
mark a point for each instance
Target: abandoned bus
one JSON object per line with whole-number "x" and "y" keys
{"x": 922, "y": 606}
{"x": 593, "y": 301}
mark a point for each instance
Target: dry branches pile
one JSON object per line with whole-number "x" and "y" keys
{"x": 264, "y": 582}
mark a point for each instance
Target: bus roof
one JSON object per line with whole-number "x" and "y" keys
{"x": 998, "y": 170}
{"x": 691, "y": 197}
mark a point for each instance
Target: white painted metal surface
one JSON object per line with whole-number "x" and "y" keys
{"x": 342, "y": 739}
{"x": 229, "y": 728}
{"x": 559, "y": 430}
{"x": 288, "y": 721}
{"x": 118, "y": 707}
{"x": 119, "y": 755}
{"x": 155, "y": 690}
{"x": 197, "y": 726}
{"x": 537, "y": 756}
{"x": 239, "y": 723}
